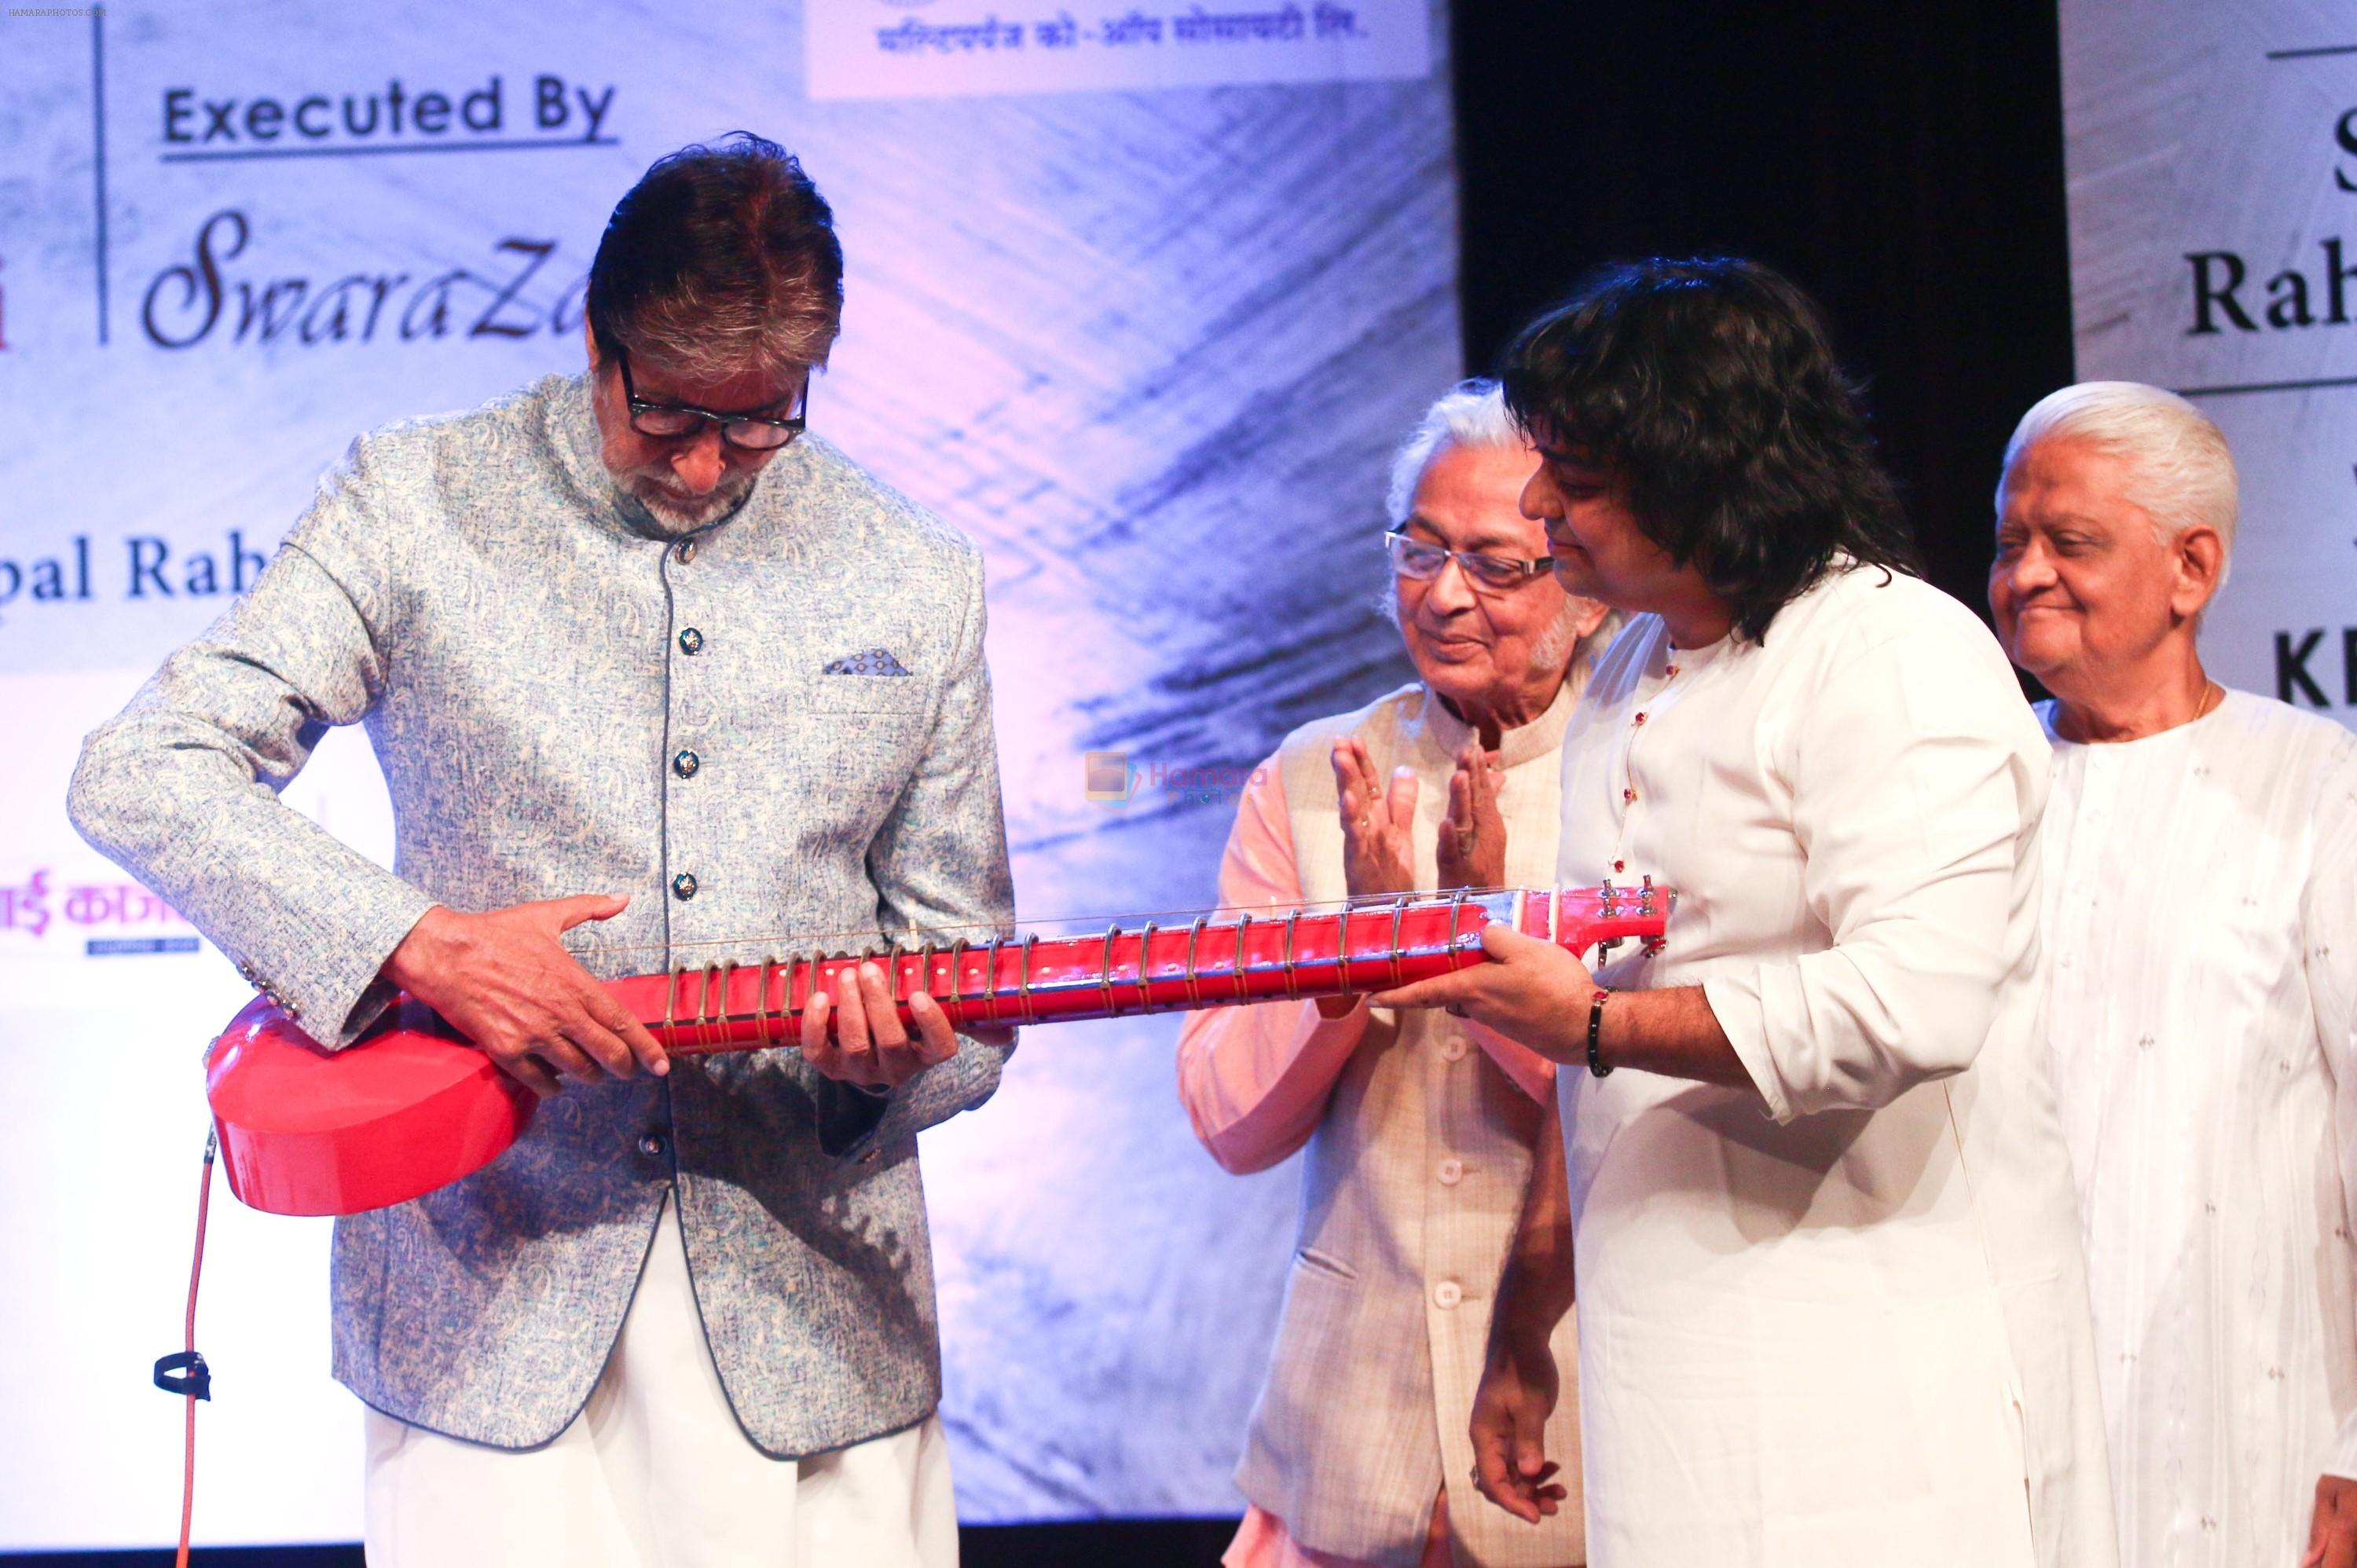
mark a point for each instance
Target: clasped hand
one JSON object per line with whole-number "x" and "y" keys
{"x": 1379, "y": 823}
{"x": 1531, "y": 990}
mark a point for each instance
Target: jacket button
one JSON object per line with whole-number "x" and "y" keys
{"x": 1447, "y": 1295}
{"x": 652, "y": 1145}
{"x": 682, "y": 887}
{"x": 686, "y": 763}
{"x": 687, "y": 550}
{"x": 691, "y": 640}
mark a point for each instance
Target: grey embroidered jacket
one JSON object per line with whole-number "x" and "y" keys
{"x": 779, "y": 725}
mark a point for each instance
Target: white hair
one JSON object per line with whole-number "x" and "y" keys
{"x": 1470, "y": 414}
{"x": 1473, "y": 414}
{"x": 2181, "y": 473}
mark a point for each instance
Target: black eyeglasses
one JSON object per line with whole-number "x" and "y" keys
{"x": 1497, "y": 574}
{"x": 671, "y": 421}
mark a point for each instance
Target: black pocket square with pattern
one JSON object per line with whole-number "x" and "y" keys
{"x": 873, "y": 661}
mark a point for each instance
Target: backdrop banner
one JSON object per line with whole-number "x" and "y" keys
{"x": 1145, "y": 320}
{"x": 2212, "y": 160}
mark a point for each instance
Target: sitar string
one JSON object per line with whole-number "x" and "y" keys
{"x": 934, "y": 934}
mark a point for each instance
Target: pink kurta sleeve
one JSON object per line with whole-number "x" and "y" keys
{"x": 1255, "y": 1079}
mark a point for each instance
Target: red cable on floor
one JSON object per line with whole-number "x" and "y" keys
{"x": 186, "y": 1374}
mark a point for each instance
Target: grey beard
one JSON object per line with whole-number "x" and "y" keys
{"x": 671, "y": 521}
{"x": 1553, "y": 647}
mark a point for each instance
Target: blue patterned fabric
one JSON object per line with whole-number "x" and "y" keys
{"x": 515, "y": 637}
{"x": 875, "y": 662}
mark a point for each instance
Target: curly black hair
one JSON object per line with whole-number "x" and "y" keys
{"x": 1709, "y": 387}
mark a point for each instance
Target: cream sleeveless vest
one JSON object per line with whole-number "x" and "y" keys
{"x": 1411, "y": 1190}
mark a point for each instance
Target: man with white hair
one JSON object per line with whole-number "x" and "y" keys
{"x": 2201, "y": 925}
{"x": 1421, "y": 1130}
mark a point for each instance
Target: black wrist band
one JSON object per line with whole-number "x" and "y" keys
{"x": 1595, "y": 1030}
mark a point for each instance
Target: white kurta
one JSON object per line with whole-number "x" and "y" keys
{"x": 1853, "y": 1330}
{"x": 2201, "y": 928}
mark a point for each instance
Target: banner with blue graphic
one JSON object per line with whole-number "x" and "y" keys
{"x": 2212, "y": 160}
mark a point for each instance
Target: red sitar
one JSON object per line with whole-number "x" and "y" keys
{"x": 412, "y": 1107}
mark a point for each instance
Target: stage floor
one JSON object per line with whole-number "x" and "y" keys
{"x": 1083, "y": 1543}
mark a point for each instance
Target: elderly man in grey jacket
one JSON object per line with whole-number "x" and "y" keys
{"x": 632, "y": 649}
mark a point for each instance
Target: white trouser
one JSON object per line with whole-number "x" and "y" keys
{"x": 656, "y": 1474}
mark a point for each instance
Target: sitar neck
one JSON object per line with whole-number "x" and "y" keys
{"x": 1212, "y": 959}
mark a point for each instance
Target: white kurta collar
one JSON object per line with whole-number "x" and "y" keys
{"x": 2195, "y": 731}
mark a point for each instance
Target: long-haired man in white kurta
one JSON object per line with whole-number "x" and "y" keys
{"x": 1832, "y": 1309}
{"x": 2202, "y": 933}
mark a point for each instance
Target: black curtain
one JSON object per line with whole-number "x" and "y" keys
{"x": 1901, "y": 160}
